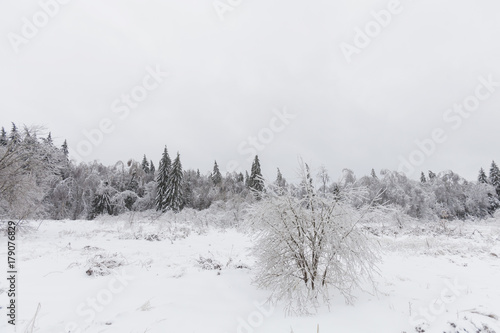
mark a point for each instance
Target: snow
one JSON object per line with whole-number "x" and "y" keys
{"x": 162, "y": 286}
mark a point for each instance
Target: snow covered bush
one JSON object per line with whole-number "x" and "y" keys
{"x": 123, "y": 202}
{"x": 103, "y": 264}
{"x": 309, "y": 243}
{"x": 209, "y": 264}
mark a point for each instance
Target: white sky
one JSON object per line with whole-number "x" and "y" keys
{"x": 227, "y": 77}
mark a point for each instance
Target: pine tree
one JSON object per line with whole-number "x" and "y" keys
{"x": 49, "y": 139}
{"x": 256, "y": 181}
{"x": 145, "y": 165}
{"x": 422, "y": 178}
{"x": 3, "y": 137}
{"x": 101, "y": 203}
{"x": 14, "y": 136}
{"x": 161, "y": 180}
{"x": 240, "y": 178}
{"x": 174, "y": 198}
{"x": 482, "y": 178}
{"x": 279, "y": 176}
{"x": 216, "y": 175}
{"x": 373, "y": 174}
{"x": 65, "y": 150}
{"x": 432, "y": 175}
{"x": 495, "y": 177}
{"x": 152, "y": 168}
{"x": 280, "y": 181}
{"x": 247, "y": 179}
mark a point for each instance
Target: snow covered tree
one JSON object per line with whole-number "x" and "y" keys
{"x": 14, "y": 136}
{"x": 280, "y": 181}
{"x": 256, "y": 181}
{"x": 432, "y": 175}
{"x": 348, "y": 177}
{"x": 247, "y": 179}
{"x": 137, "y": 177}
{"x": 147, "y": 200}
{"x": 240, "y": 178}
{"x": 310, "y": 245}
{"x": 145, "y": 165}
{"x": 482, "y": 178}
{"x": 49, "y": 139}
{"x": 101, "y": 203}
{"x": 123, "y": 201}
{"x": 480, "y": 199}
{"x": 373, "y": 174}
{"x": 495, "y": 177}
{"x": 324, "y": 178}
{"x": 64, "y": 149}
{"x": 152, "y": 168}
{"x": 422, "y": 178}
{"x": 60, "y": 200}
{"x": 198, "y": 190}
{"x": 174, "y": 198}
{"x": 162, "y": 180}
{"x": 3, "y": 137}
{"x": 28, "y": 170}
{"x": 216, "y": 175}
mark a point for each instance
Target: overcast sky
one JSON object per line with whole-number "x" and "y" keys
{"x": 236, "y": 65}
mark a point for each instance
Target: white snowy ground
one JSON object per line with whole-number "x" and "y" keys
{"x": 441, "y": 275}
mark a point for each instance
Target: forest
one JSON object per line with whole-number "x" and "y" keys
{"x": 38, "y": 180}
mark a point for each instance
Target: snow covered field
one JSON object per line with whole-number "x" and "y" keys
{"x": 189, "y": 277}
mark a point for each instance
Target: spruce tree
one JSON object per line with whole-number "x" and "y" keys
{"x": 152, "y": 168}
{"x": 49, "y": 139}
{"x": 145, "y": 165}
{"x": 161, "y": 180}
{"x": 256, "y": 181}
{"x": 247, "y": 179}
{"x": 174, "y": 198}
{"x": 495, "y": 177}
{"x": 280, "y": 181}
{"x": 422, "y": 178}
{"x": 240, "y": 178}
{"x": 373, "y": 174}
{"x": 3, "y": 137}
{"x": 14, "y": 136}
{"x": 65, "y": 150}
{"x": 101, "y": 202}
{"x": 216, "y": 175}
{"x": 482, "y": 178}
{"x": 432, "y": 175}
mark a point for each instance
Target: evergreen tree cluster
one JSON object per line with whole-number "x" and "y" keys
{"x": 169, "y": 193}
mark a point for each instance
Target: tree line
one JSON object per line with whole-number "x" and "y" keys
{"x": 38, "y": 180}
